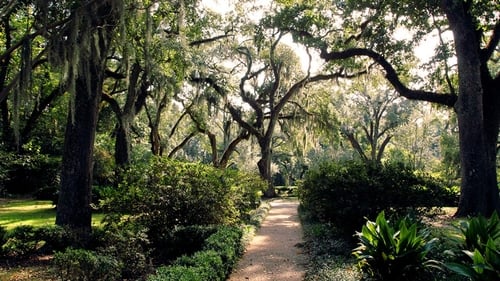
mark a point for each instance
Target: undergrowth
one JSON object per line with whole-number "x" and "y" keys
{"x": 329, "y": 252}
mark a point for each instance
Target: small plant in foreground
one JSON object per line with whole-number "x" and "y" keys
{"x": 479, "y": 245}
{"x": 84, "y": 265}
{"x": 387, "y": 253}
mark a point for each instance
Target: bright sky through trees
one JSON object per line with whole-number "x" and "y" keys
{"x": 423, "y": 52}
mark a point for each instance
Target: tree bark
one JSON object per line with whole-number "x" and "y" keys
{"x": 264, "y": 165}
{"x": 73, "y": 209}
{"x": 479, "y": 190}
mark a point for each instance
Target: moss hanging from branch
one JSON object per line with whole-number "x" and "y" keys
{"x": 77, "y": 46}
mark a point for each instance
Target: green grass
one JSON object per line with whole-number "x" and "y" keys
{"x": 17, "y": 212}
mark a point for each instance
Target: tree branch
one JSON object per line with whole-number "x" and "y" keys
{"x": 382, "y": 148}
{"x": 182, "y": 144}
{"x": 244, "y": 135}
{"x": 488, "y": 51}
{"x": 355, "y": 144}
{"x": 208, "y": 40}
{"x": 391, "y": 75}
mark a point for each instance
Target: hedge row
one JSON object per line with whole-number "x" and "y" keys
{"x": 347, "y": 193}
{"x": 215, "y": 261}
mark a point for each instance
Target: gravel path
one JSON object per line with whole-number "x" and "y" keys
{"x": 273, "y": 253}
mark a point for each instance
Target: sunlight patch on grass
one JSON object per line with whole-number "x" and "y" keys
{"x": 31, "y": 212}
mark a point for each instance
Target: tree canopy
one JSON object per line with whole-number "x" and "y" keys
{"x": 249, "y": 87}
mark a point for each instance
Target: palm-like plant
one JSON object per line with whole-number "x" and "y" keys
{"x": 387, "y": 253}
{"x": 479, "y": 245}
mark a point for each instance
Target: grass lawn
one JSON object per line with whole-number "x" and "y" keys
{"x": 15, "y": 212}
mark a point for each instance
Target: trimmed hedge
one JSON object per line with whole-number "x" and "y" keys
{"x": 214, "y": 262}
{"x": 84, "y": 265}
{"x": 345, "y": 193}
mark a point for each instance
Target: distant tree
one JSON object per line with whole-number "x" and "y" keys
{"x": 369, "y": 115}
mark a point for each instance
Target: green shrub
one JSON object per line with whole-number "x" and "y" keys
{"x": 129, "y": 244}
{"x": 3, "y": 238}
{"x": 26, "y": 239}
{"x": 179, "y": 273}
{"x": 20, "y": 241}
{"x": 227, "y": 243}
{"x": 209, "y": 265}
{"x": 346, "y": 193}
{"x": 164, "y": 194}
{"x": 478, "y": 245}
{"x": 84, "y": 265}
{"x": 214, "y": 262}
{"x": 184, "y": 240}
{"x": 388, "y": 253}
{"x": 56, "y": 238}
{"x": 27, "y": 173}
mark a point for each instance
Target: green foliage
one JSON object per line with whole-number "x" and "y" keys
{"x": 329, "y": 252}
{"x": 21, "y": 241}
{"x": 163, "y": 194}
{"x": 214, "y": 262}
{"x": 84, "y": 265}
{"x": 28, "y": 173}
{"x": 27, "y": 239}
{"x": 484, "y": 266}
{"x": 479, "y": 246}
{"x": 129, "y": 244}
{"x": 477, "y": 231}
{"x": 227, "y": 243}
{"x": 104, "y": 166}
{"x": 3, "y": 239}
{"x": 389, "y": 253}
{"x": 183, "y": 240}
{"x": 56, "y": 238}
{"x": 345, "y": 193}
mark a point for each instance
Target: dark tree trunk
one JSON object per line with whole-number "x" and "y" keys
{"x": 479, "y": 190}
{"x": 264, "y": 165}
{"x": 125, "y": 118}
{"x": 7, "y": 134}
{"x": 73, "y": 209}
{"x": 155, "y": 140}
{"x": 122, "y": 144}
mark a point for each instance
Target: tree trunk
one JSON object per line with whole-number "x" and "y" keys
{"x": 479, "y": 191}
{"x": 155, "y": 140}
{"x": 122, "y": 144}
{"x": 73, "y": 208}
{"x": 264, "y": 165}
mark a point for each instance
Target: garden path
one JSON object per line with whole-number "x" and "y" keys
{"x": 274, "y": 254}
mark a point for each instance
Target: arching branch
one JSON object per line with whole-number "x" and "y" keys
{"x": 208, "y": 40}
{"x": 446, "y": 99}
{"x": 224, "y": 160}
{"x": 488, "y": 51}
{"x": 182, "y": 144}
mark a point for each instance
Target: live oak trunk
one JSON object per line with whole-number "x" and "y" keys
{"x": 477, "y": 118}
{"x": 73, "y": 209}
{"x": 264, "y": 165}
